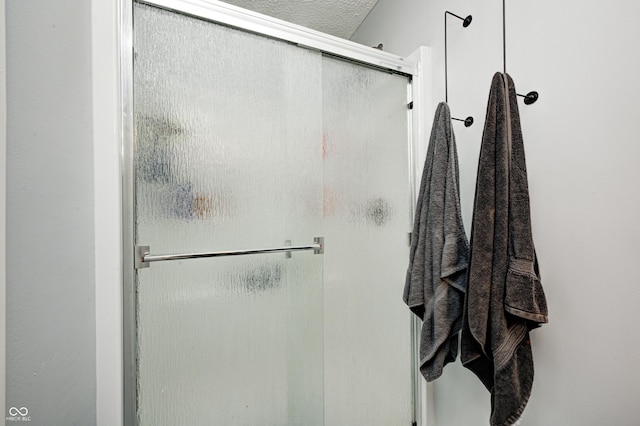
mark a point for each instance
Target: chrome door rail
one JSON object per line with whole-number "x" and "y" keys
{"x": 233, "y": 16}
{"x": 143, "y": 257}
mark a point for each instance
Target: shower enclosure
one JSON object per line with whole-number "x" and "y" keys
{"x": 267, "y": 211}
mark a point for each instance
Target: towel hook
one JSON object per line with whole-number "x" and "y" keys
{"x": 467, "y": 121}
{"x": 465, "y": 23}
{"x": 532, "y": 96}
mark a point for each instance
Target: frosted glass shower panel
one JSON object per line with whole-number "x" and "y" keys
{"x": 220, "y": 119}
{"x": 223, "y": 342}
{"x": 227, "y": 154}
{"x": 367, "y": 218}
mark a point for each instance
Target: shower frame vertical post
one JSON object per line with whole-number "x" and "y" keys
{"x": 130, "y": 402}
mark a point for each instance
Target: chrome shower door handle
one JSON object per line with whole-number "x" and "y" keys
{"x": 143, "y": 256}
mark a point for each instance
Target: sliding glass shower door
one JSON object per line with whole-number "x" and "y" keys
{"x": 366, "y": 220}
{"x": 246, "y": 142}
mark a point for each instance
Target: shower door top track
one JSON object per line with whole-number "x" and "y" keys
{"x": 233, "y": 16}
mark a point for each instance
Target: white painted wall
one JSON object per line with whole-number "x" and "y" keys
{"x": 3, "y": 211}
{"x": 583, "y": 153}
{"x": 50, "y": 309}
{"x": 64, "y": 310}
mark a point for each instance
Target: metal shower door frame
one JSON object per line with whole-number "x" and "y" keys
{"x": 232, "y": 16}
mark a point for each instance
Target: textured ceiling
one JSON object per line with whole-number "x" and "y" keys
{"x": 336, "y": 17}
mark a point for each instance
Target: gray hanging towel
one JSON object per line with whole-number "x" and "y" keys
{"x": 436, "y": 277}
{"x": 505, "y": 299}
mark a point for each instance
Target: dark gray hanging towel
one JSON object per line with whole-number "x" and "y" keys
{"x": 436, "y": 277}
{"x": 505, "y": 299}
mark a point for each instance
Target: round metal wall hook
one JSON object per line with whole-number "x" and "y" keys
{"x": 530, "y": 97}
{"x": 465, "y": 21}
{"x": 467, "y": 121}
